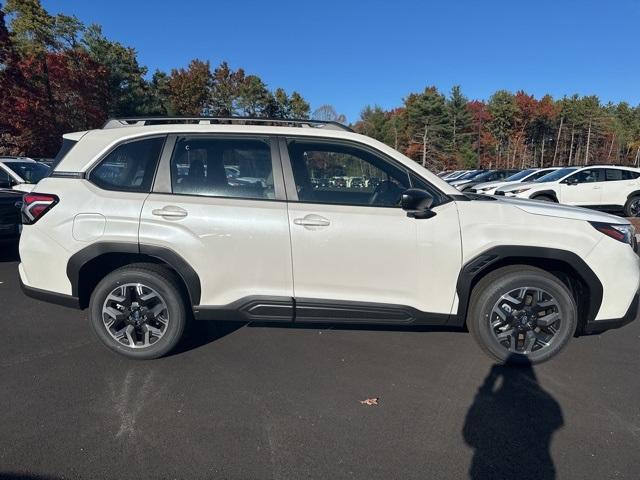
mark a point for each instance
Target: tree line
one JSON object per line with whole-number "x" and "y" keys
{"x": 58, "y": 75}
{"x": 507, "y": 131}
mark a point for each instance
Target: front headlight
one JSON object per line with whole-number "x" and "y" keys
{"x": 622, "y": 233}
{"x": 520, "y": 190}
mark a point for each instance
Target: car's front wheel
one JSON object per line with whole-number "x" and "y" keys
{"x": 521, "y": 313}
{"x": 138, "y": 311}
{"x": 632, "y": 207}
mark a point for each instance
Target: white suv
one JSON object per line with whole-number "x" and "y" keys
{"x": 603, "y": 187}
{"x": 145, "y": 226}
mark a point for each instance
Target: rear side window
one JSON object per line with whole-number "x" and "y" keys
{"x": 614, "y": 174}
{"x": 130, "y": 167}
{"x": 223, "y": 167}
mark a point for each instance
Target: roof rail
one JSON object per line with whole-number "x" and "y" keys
{"x": 280, "y": 122}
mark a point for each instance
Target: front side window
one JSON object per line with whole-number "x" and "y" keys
{"x": 588, "y": 176}
{"x": 223, "y": 167}
{"x": 130, "y": 167}
{"x": 345, "y": 174}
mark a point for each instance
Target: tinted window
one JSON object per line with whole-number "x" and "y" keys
{"x": 520, "y": 175}
{"x": 536, "y": 175}
{"x": 5, "y": 179}
{"x": 345, "y": 174}
{"x": 30, "y": 172}
{"x": 615, "y": 174}
{"x": 223, "y": 167}
{"x": 130, "y": 167}
{"x": 589, "y": 175}
{"x": 557, "y": 174}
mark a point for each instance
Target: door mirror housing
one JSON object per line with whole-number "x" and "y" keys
{"x": 417, "y": 203}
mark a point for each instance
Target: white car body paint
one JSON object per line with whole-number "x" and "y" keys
{"x": 241, "y": 247}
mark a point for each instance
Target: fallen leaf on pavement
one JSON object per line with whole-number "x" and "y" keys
{"x": 370, "y": 401}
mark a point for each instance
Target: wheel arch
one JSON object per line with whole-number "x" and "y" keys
{"x": 88, "y": 266}
{"x": 635, "y": 193}
{"x": 545, "y": 193}
{"x": 565, "y": 265}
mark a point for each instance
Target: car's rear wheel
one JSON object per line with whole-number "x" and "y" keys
{"x": 138, "y": 311}
{"x": 521, "y": 313}
{"x": 632, "y": 207}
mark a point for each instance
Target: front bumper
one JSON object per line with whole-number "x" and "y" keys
{"x": 598, "y": 326}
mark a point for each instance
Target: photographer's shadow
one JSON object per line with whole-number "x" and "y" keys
{"x": 510, "y": 426}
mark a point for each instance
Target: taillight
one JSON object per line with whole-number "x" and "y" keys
{"x": 35, "y": 205}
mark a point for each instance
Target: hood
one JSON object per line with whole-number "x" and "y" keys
{"x": 495, "y": 183}
{"x": 537, "y": 207}
{"x": 510, "y": 186}
{"x": 455, "y": 183}
{"x": 499, "y": 184}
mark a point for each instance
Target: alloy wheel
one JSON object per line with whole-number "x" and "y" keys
{"x": 526, "y": 320}
{"x": 135, "y": 315}
{"x": 634, "y": 207}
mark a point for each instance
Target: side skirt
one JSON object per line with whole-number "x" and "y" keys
{"x": 307, "y": 310}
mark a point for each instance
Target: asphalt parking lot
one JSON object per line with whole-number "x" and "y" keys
{"x": 244, "y": 402}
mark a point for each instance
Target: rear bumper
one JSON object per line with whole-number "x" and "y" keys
{"x": 50, "y": 297}
{"x": 598, "y": 326}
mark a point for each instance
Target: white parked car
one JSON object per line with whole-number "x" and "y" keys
{"x": 529, "y": 175}
{"x": 21, "y": 173}
{"x": 604, "y": 187}
{"x": 119, "y": 230}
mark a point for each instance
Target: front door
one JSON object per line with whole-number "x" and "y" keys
{"x": 356, "y": 254}
{"x": 583, "y": 187}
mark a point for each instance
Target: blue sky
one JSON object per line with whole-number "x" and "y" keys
{"x": 351, "y": 54}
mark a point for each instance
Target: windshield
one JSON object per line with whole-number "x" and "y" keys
{"x": 557, "y": 174}
{"x": 30, "y": 172}
{"x": 483, "y": 176}
{"x": 520, "y": 175}
{"x": 469, "y": 175}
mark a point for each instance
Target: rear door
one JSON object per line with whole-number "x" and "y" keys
{"x": 218, "y": 202}
{"x": 618, "y": 185}
{"x": 583, "y": 188}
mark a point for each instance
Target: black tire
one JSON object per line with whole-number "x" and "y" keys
{"x": 632, "y": 206}
{"x": 164, "y": 283}
{"x": 545, "y": 198}
{"x": 490, "y": 290}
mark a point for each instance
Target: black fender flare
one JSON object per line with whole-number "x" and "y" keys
{"x": 546, "y": 193}
{"x": 165, "y": 255}
{"x": 635, "y": 193}
{"x": 475, "y": 268}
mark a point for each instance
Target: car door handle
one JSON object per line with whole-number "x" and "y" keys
{"x": 596, "y": 187}
{"x": 170, "y": 211}
{"x": 312, "y": 220}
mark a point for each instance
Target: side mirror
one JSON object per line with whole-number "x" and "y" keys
{"x": 5, "y": 184}
{"x": 417, "y": 203}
